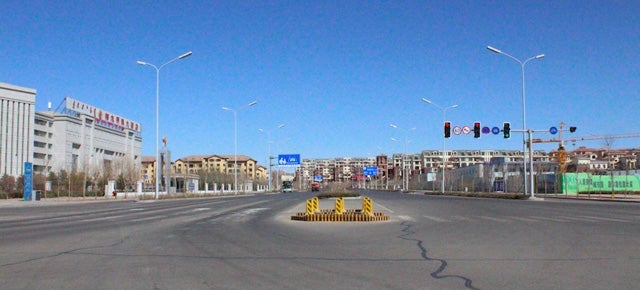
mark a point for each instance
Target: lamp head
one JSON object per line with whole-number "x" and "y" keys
{"x": 426, "y": 101}
{"x": 187, "y": 54}
{"x": 494, "y": 49}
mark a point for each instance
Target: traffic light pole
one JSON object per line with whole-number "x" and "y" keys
{"x": 530, "y": 145}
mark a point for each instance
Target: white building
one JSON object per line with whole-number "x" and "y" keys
{"x": 84, "y": 138}
{"x": 17, "y": 110}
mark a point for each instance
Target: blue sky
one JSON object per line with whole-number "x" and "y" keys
{"x": 336, "y": 73}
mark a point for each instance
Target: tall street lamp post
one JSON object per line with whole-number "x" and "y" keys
{"x": 235, "y": 141}
{"x": 524, "y": 118}
{"x": 444, "y": 153}
{"x": 405, "y": 177}
{"x": 269, "y": 150}
{"x": 158, "y": 68}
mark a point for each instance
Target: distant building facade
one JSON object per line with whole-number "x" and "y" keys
{"x": 248, "y": 168}
{"x": 85, "y": 138}
{"x": 17, "y": 111}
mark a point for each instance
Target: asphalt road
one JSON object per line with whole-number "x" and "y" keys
{"x": 249, "y": 242}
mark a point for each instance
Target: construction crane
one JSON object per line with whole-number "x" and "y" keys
{"x": 562, "y": 154}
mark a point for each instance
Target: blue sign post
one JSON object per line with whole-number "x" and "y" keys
{"x": 28, "y": 181}
{"x": 288, "y": 159}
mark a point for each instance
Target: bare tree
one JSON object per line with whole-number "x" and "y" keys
{"x": 7, "y": 184}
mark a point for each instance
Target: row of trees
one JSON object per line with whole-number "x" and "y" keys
{"x": 75, "y": 183}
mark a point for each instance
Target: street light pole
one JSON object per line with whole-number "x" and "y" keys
{"x": 235, "y": 141}
{"x": 269, "y": 150}
{"x": 158, "y": 167}
{"x": 524, "y": 118}
{"x": 444, "y": 152}
{"x": 405, "y": 180}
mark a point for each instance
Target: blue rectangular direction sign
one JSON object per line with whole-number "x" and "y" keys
{"x": 370, "y": 170}
{"x": 288, "y": 159}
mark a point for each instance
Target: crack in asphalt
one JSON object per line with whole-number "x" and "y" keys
{"x": 69, "y": 252}
{"x": 437, "y": 274}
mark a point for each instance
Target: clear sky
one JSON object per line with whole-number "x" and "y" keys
{"x": 336, "y": 73}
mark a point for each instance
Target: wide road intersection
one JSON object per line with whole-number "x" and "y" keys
{"x": 249, "y": 242}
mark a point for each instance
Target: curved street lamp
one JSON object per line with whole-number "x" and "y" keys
{"x": 269, "y": 150}
{"x": 158, "y": 68}
{"x": 405, "y": 179}
{"x": 524, "y": 118}
{"x": 235, "y": 141}
{"x": 444, "y": 119}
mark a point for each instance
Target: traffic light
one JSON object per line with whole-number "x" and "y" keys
{"x": 476, "y": 130}
{"x": 447, "y": 129}
{"x": 572, "y": 129}
{"x": 506, "y": 130}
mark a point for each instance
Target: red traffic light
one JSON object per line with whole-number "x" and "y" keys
{"x": 476, "y": 130}
{"x": 447, "y": 129}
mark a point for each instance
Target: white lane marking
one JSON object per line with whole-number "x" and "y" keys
{"x": 551, "y": 219}
{"x": 462, "y": 218}
{"x": 378, "y": 205}
{"x": 524, "y": 219}
{"x": 99, "y": 219}
{"x": 604, "y": 219}
{"x": 493, "y": 219}
{"x": 160, "y": 217}
{"x": 435, "y": 218}
{"x": 200, "y": 209}
{"x": 406, "y": 218}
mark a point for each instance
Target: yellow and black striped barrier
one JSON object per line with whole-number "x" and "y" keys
{"x": 312, "y": 205}
{"x": 339, "y": 214}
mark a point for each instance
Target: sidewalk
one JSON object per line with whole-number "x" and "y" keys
{"x": 595, "y": 197}
{"x": 19, "y": 202}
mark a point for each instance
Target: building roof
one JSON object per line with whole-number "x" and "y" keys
{"x": 193, "y": 158}
{"x": 241, "y": 158}
{"x": 148, "y": 159}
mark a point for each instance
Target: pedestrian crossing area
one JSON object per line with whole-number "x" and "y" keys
{"x": 635, "y": 219}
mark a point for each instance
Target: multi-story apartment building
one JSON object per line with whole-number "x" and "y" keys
{"x": 428, "y": 161}
{"x": 220, "y": 163}
{"x": 338, "y": 169}
{"x": 248, "y": 167}
{"x": 17, "y": 110}
{"x": 584, "y": 159}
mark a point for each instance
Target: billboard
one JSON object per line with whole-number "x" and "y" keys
{"x": 102, "y": 117}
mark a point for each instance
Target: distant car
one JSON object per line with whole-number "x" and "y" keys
{"x": 315, "y": 186}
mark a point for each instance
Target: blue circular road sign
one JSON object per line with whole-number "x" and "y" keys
{"x": 553, "y": 130}
{"x": 486, "y": 130}
{"x": 495, "y": 130}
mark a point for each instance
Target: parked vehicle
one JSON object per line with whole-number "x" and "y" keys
{"x": 315, "y": 186}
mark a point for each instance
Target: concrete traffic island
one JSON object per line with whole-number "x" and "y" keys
{"x": 339, "y": 214}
